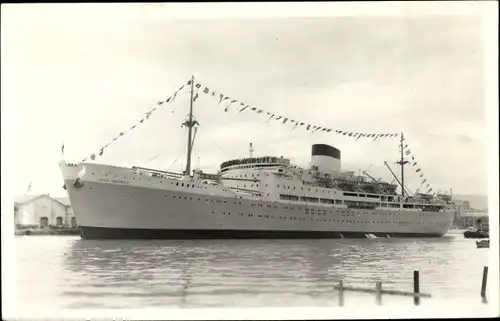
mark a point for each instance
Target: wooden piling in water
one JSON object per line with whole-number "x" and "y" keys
{"x": 341, "y": 293}
{"x": 391, "y": 292}
{"x": 416, "y": 287}
{"x": 378, "y": 291}
{"x": 484, "y": 283}
{"x": 378, "y": 287}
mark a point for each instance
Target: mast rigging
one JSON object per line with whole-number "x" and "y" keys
{"x": 395, "y": 177}
{"x": 190, "y": 123}
{"x": 402, "y": 163}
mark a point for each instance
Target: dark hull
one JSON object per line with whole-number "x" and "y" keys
{"x": 476, "y": 235}
{"x": 87, "y": 232}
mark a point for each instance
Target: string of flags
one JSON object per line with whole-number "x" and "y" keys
{"x": 144, "y": 118}
{"x": 231, "y": 103}
{"x": 415, "y": 166}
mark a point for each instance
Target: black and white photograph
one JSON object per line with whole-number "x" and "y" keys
{"x": 247, "y": 160}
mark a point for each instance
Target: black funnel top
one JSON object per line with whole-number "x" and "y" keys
{"x": 325, "y": 150}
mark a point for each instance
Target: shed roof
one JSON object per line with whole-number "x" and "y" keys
{"x": 26, "y": 198}
{"x": 29, "y": 198}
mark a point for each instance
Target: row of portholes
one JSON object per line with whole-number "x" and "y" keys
{"x": 244, "y": 186}
{"x": 302, "y": 188}
{"x": 293, "y": 218}
{"x": 307, "y": 211}
{"x": 199, "y": 199}
{"x": 241, "y": 176}
{"x": 192, "y": 186}
{"x": 206, "y": 200}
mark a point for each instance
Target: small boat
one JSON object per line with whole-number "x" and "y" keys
{"x": 483, "y": 244}
{"x": 473, "y": 233}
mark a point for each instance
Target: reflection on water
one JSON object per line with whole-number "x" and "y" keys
{"x": 74, "y": 273}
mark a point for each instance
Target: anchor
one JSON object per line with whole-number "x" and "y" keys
{"x": 77, "y": 183}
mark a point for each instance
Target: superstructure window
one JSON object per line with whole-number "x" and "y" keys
{"x": 309, "y": 199}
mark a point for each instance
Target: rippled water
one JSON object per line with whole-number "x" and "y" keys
{"x": 67, "y": 272}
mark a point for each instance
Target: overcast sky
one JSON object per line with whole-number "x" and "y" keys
{"x": 83, "y": 76}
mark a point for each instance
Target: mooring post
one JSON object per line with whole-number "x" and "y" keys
{"x": 378, "y": 288}
{"x": 341, "y": 293}
{"x": 483, "y": 285}
{"x": 416, "y": 287}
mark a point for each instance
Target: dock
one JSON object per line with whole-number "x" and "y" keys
{"x": 48, "y": 231}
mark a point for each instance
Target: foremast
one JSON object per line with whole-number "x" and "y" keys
{"x": 402, "y": 162}
{"x": 190, "y": 123}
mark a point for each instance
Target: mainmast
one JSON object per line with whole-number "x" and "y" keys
{"x": 402, "y": 163}
{"x": 190, "y": 123}
{"x": 394, "y": 175}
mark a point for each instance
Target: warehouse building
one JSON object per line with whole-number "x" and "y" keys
{"x": 39, "y": 211}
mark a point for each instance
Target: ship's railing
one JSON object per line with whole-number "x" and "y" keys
{"x": 156, "y": 173}
{"x": 256, "y": 160}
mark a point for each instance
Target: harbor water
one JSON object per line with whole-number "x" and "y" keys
{"x": 66, "y": 272}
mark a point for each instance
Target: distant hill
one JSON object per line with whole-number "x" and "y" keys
{"x": 476, "y": 201}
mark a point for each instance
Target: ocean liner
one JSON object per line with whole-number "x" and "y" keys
{"x": 251, "y": 197}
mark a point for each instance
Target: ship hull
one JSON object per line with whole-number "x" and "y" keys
{"x": 115, "y": 203}
{"x": 88, "y": 232}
